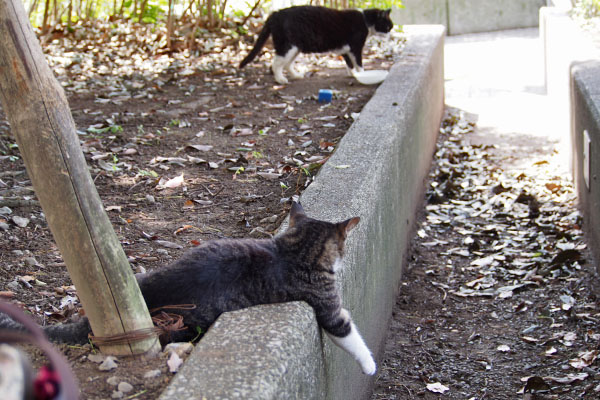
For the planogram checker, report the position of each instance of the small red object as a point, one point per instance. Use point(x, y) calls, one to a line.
point(46, 385)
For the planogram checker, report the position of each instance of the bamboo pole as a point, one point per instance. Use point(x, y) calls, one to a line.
point(42, 124)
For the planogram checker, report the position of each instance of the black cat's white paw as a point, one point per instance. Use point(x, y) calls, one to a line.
point(295, 74)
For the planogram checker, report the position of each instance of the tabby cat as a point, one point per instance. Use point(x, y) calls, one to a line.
point(312, 29)
point(230, 274)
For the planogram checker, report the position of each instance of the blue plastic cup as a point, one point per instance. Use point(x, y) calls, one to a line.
point(325, 95)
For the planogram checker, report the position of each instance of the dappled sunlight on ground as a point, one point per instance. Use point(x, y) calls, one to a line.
point(498, 77)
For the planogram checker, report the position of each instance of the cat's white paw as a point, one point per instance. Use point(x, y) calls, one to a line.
point(368, 366)
point(295, 74)
point(282, 80)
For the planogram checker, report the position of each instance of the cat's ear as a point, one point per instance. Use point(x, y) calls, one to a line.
point(348, 224)
point(388, 11)
point(296, 212)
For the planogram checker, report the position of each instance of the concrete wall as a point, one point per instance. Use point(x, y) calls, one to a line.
point(278, 351)
point(470, 16)
point(585, 112)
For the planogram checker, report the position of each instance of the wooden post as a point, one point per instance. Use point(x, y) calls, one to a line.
point(42, 124)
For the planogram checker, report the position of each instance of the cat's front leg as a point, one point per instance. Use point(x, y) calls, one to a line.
point(354, 344)
point(353, 66)
point(349, 64)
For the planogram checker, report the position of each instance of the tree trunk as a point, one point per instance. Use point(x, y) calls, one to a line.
point(209, 11)
point(55, 12)
point(191, 45)
point(70, 15)
point(45, 19)
point(33, 7)
point(142, 10)
point(170, 25)
point(222, 13)
point(42, 124)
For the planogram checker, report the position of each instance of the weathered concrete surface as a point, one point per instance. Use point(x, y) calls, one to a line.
point(467, 16)
point(471, 16)
point(585, 116)
point(424, 12)
point(377, 173)
point(263, 352)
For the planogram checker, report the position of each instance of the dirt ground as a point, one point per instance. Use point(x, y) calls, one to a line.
point(500, 296)
point(182, 148)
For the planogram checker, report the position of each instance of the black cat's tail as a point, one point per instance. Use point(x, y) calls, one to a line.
point(260, 42)
point(71, 332)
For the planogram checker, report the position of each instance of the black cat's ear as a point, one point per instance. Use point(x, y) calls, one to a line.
point(388, 11)
point(348, 224)
point(296, 212)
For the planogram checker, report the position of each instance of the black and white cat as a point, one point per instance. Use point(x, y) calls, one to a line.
point(225, 275)
point(312, 29)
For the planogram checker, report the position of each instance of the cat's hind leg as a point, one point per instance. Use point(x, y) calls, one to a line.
point(282, 61)
point(277, 68)
point(291, 56)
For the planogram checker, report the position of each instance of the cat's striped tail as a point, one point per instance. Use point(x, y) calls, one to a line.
point(71, 332)
point(260, 42)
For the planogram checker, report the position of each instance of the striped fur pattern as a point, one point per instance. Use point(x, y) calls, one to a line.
point(226, 275)
point(313, 29)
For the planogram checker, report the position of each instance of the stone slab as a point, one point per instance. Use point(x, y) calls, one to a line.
point(424, 12)
point(472, 16)
point(585, 117)
point(468, 16)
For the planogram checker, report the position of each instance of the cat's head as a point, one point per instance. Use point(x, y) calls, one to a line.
point(331, 235)
point(379, 20)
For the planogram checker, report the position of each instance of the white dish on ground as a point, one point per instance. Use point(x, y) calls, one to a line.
point(370, 77)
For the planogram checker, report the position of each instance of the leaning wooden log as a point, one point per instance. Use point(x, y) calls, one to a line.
point(43, 126)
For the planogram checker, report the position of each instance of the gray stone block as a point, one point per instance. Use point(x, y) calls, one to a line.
point(424, 12)
point(585, 117)
point(263, 352)
point(468, 16)
point(471, 16)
